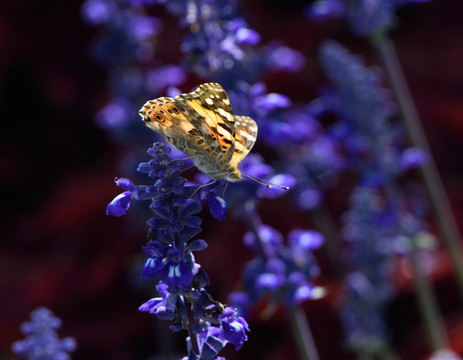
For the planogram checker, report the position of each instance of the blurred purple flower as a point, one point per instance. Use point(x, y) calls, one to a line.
point(365, 17)
point(412, 158)
point(164, 77)
point(115, 114)
point(284, 58)
point(96, 12)
point(41, 340)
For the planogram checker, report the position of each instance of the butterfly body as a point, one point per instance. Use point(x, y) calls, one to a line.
point(202, 125)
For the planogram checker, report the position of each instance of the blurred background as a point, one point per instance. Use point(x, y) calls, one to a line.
point(59, 249)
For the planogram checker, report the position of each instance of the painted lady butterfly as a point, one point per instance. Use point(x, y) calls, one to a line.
point(202, 125)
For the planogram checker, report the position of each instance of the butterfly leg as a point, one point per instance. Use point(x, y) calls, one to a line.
point(201, 186)
point(184, 159)
point(224, 186)
point(188, 168)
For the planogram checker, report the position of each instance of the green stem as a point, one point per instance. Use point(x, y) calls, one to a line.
point(301, 333)
point(439, 200)
point(427, 303)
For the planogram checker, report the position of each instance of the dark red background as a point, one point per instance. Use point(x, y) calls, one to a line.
point(59, 249)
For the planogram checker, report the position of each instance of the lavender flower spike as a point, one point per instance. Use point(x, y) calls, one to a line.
point(42, 342)
point(179, 280)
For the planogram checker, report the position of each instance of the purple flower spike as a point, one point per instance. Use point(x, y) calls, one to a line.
point(41, 340)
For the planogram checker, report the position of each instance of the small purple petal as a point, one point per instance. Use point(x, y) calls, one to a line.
point(246, 36)
point(197, 245)
point(412, 158)
point(217, 206)
point(177, 275)
point(273, 101)
point(269, 281)
point(152, 268)
point(119, 205)
point(302, 293)
point(305, 240)
point(275, 182)
point(234, 331)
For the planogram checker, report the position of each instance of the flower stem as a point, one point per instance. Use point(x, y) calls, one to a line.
point(439, 200)
point(191, 333)
point(427, 303)
point(302, 334)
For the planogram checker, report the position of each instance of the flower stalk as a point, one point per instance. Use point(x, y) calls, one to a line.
point(302, 333)
point(427, 302)
point(438, 197)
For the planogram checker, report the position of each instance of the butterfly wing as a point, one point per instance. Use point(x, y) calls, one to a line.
point(216, 121)
point(198, 123)
point(174, 120)
point(245, 138)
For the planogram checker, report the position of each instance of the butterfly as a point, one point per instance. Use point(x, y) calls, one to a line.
point(201, 124)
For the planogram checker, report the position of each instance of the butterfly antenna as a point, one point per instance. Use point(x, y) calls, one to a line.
point(266, 183)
